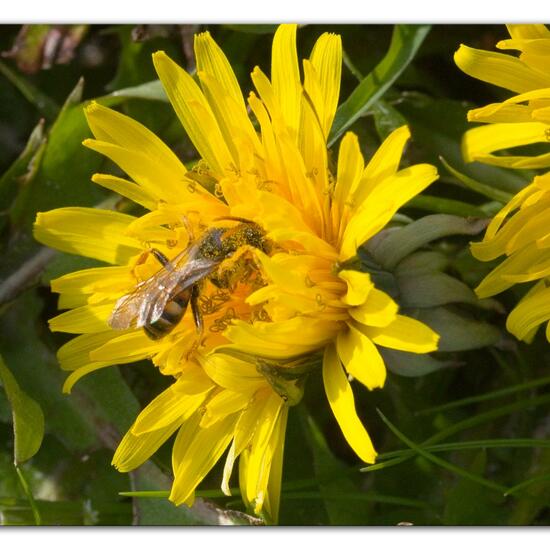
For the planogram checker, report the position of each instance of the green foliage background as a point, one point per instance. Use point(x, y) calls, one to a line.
point(462, 437)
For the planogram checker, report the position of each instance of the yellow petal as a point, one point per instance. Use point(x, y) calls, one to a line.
point(169, 406)
point(119, 130)
point(499, 218)
point(310, 242)
point(271, 503)
point(83, 320)
point(95, 279)
point(525, 226)
point(359, 286)
point(70, 301)
point(279, 340)
point(300, 168)
point(479, 143)
point(232, 373)
point(326, 58)
point(350, 169)
point(530, 47)
point(211, 60)
point(128, 347)
point(134, 450)
point(155, 179)
point(127, 189)
point(184, 438)
point(195, 114)
point(379, 310)
point(499, 69)
point(501, 112)
point(285, 271)
point(361, 358)
point(262, 447)
point(404, 334)
point(202, 452)
point(285, 76)
point(269, 100)
point(249, 418)
point(519, 266)
point(383, 164)
point(342, 403)
point(519, 31)
point(76, 352)
point(382, 203)
point(529, 314)
point(228, 469)
point(223, 403)
point(237, 130)
point(90, 232)
point(77, 374)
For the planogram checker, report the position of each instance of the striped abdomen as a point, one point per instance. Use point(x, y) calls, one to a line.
point(171, 315)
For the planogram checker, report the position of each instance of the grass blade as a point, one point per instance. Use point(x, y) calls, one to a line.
point(28, 493)
point(474, 185)
point(486, 396)
point(474, 445)
point(445, 206)
point(460, 426)
point(440, 462)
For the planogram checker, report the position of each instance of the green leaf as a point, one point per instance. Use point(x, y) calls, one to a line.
point(445, 206)
point(60, 176)
point(386, 119)
point(22, 168)
point(458, 332)
point(399, 243)
point(28, 418)
point(406, 40)
point(486, 190)
point(24, 350)
point(153, 91)
point(63, 177)
point(433, 289)
point(425, 261)
point(412, 365)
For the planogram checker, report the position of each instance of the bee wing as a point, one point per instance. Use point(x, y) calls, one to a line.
point(147, 302)
point(191, 273)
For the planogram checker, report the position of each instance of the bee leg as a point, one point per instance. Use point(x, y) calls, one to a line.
point(160, 257)
point(196, 309)
point(188, 228)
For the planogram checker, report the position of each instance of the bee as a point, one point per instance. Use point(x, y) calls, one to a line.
point(158, 303)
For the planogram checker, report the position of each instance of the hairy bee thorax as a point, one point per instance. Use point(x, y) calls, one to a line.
point(220, 243)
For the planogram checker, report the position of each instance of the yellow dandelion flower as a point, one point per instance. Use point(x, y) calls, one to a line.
point(282, 293)
point(520, 230)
